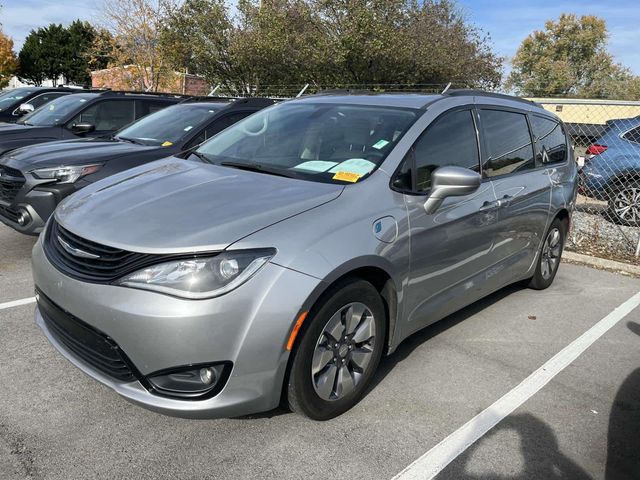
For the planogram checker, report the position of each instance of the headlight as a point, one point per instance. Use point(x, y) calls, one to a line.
point(66, 174)
point(199, 278)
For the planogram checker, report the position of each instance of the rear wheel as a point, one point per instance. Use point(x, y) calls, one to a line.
point(550, 255)
point(624, 203)
point(339, 352)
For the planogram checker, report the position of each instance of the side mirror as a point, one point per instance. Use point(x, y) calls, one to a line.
point(450, 182)
point(25, 108)
point(83, 128)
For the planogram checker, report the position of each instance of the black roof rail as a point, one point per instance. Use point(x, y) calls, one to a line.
point(482, 93)
point(109, 92)
point(254, 101)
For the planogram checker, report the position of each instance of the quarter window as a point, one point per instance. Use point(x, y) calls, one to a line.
point(508, 142)
point(551, 143)
point(449, 141)
point(632, 135)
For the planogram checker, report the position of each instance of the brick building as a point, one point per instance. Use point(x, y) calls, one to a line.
point(125, 78)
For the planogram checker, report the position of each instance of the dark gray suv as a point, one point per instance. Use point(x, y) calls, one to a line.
point(295, 248)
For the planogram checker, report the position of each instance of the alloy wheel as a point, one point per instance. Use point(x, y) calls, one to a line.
point(626, 204)
point(550, 253)
point(343, 352)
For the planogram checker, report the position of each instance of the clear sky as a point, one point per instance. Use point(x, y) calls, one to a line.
point(508, 22)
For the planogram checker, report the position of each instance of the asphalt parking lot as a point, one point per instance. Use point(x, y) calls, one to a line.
point(57, 423)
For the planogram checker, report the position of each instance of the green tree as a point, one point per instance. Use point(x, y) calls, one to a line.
point(77, 59)
point(8, 60)
point(570, 57)
point(276, 45)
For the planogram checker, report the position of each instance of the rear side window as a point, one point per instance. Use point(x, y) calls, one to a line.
point(449, 141)
point(551, 143)
point(508, 143)
point(632, 135)
point(147, 107)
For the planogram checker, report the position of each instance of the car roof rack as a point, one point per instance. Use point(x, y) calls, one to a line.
point(109, 92)
point(461, 92)
point(207, 98)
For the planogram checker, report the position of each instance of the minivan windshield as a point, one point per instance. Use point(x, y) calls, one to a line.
point(11, 98)
point(169, 125)
point(56, 111)
point(324, 142)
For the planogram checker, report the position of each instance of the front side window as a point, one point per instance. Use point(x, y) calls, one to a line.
point(508, 143)
point(324, 142)
point(169, 125)
point(551, 142)
point(107, 115)
point(449, 141)
point(57, 111)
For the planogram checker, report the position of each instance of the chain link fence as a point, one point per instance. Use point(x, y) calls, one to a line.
point(606, 136)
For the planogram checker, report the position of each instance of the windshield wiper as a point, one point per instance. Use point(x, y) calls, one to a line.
point(130, 140)
point(200, 155)
point(253, 167)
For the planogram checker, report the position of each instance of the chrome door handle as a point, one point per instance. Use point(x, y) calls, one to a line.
point(504, 201)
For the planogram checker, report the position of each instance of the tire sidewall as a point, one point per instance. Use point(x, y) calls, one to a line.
point(539, 282)
point(300, 384)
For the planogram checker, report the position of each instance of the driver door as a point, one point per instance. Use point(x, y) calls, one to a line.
point(452, 249)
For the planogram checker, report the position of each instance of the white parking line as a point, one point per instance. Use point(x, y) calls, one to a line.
point(435, 460)
point(17, 303)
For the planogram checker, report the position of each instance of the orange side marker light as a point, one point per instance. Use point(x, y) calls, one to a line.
point(296, 329)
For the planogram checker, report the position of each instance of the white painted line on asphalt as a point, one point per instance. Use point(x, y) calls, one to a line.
point(435, 460)
point(17, 303)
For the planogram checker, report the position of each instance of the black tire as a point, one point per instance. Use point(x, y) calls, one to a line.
point(301, 393)
point(543, 279)
point(624, 189)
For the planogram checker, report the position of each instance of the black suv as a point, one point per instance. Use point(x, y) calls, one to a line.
point(35, 97)
point(33, 180)
point(79, 115)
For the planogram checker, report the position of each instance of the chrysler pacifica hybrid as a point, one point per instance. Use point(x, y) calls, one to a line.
point(287, 254)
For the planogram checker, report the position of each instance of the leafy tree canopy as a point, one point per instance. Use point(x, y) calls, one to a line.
point(570, 57)
point(8, 60)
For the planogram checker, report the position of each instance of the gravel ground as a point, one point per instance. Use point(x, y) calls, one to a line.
point(592, 234)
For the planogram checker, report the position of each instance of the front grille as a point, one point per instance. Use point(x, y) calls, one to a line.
point(9, 213)
point(90, 345)
point(11, 181)
point(110, 264)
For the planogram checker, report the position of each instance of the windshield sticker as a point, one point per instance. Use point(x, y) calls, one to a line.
point(380, 144)
point(347, 176)
point(167, 144)
point(316, 166)
point(359, 166)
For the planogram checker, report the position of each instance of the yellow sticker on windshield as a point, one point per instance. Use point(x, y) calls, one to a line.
point(167, 144)
point(347, 176)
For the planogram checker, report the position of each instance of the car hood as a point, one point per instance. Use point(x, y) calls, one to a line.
point(176, 206)
point(72, 152)
point(14, 135)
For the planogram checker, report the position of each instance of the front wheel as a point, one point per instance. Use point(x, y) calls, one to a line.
point(550, 255)
point(339, 352)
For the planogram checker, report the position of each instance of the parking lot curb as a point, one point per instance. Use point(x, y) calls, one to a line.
point(602, 263)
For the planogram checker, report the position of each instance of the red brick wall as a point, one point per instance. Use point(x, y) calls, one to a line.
point(118, 78)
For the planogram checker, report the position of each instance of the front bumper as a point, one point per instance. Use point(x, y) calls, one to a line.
point(39, 203)
point(247, 327)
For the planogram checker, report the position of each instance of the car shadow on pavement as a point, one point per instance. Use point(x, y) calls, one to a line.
point(541, 457)
point(404, 350)
point(623, 442)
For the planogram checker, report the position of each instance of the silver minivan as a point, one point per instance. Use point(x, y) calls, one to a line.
point(280, 260)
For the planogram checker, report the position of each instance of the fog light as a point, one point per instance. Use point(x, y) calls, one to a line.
point(23, 217)
point(187, 382)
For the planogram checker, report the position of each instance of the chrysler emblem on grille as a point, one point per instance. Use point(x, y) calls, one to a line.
point(76, 252)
